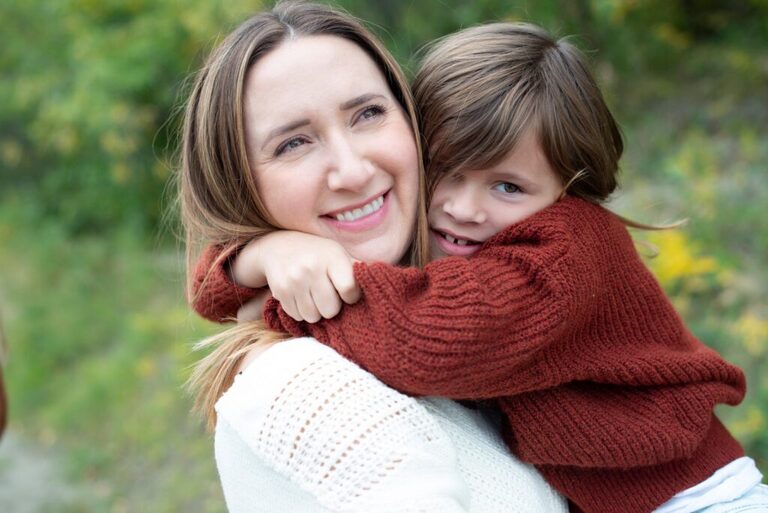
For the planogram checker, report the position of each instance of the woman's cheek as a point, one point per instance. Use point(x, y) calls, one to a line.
point(290, 195)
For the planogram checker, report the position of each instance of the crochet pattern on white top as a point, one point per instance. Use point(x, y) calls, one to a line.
point(341, 435)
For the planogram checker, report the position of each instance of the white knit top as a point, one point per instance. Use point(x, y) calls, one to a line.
point(304, 430)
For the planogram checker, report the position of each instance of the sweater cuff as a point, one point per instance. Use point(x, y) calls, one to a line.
point(217, 296)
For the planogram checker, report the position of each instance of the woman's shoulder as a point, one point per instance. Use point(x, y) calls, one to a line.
point(308, 413)
point(274, 369)
point(301, 407)
point(301, 377)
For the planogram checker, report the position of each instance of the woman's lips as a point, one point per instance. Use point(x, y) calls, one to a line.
point(379, 207)
point(453, 248)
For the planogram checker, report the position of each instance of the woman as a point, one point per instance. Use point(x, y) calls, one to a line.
point(298, 117)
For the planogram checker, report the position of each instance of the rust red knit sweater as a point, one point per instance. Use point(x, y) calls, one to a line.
point(559, 321)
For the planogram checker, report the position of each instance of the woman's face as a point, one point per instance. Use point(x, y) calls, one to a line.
point(331, 148)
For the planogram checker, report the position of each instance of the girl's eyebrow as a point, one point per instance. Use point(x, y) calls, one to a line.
point(509, 175)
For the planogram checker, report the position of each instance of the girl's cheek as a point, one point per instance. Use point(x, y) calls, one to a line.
point(437, 200)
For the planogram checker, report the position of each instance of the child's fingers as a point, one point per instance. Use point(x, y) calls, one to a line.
point(343, 279)
point(326, 298)
point(253, 309)
point(305, 304)
point(290, 308)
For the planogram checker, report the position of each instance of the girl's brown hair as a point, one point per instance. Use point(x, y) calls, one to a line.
point(220, 202)
point(479, 90)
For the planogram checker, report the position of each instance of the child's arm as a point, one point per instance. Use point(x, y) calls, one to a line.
point(309, 275)
point(462, 328)
point(213, 293)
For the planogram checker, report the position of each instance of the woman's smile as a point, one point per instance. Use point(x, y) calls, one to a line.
point(361, 217)
point(332, 151)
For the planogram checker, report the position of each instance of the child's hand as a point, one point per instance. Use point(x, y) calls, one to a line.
point(253, 310)
point(309, 275)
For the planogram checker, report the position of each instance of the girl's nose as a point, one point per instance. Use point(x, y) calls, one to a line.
point(464, 206)
point(349, 168)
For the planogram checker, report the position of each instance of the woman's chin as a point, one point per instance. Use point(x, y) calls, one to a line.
point(387, 249)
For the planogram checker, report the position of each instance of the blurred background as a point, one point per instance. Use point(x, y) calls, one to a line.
point(91, 273)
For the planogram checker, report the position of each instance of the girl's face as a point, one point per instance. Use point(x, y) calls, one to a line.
point(474, 205)
point(331, 148)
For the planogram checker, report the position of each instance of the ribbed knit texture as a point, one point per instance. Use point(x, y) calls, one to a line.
point(214, 295)
point(558, 319)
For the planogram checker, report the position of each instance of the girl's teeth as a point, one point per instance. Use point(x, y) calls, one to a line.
point(454, 240)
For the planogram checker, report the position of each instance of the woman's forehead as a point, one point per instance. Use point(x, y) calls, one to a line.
point(309, 62)
point(311, 75)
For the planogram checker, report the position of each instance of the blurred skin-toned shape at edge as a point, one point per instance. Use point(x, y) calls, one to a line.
point(3, 397)
point(3, 405)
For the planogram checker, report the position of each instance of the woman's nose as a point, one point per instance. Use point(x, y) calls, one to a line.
point(349, 167)
point(464, 206)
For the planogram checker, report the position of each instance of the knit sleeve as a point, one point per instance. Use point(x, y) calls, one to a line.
point(340, 434)
point(213, 294)
point(462, 328)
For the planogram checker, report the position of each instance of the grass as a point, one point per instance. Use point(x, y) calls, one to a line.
point(99, 341)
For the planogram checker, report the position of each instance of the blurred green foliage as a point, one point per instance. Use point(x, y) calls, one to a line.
point(91, 279)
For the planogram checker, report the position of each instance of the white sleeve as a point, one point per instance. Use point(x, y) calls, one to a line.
point(341, 435)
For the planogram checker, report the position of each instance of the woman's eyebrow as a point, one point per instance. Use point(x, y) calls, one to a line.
point(359, 100)
point(284, 129)
point(293, 125)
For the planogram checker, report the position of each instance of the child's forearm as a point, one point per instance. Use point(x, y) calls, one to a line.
point(247, 270)
point(465, 329)
point(214, 295)
point(310, 284)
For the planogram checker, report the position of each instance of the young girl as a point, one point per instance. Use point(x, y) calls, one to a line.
point(554, 318)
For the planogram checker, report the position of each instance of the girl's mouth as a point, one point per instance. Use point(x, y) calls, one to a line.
point(456, 246)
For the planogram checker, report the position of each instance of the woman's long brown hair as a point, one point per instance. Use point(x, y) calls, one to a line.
point(219, 200)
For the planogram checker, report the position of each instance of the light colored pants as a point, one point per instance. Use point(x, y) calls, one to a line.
point(754, 501)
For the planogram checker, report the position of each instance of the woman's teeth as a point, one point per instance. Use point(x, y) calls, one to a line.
point(354, 215)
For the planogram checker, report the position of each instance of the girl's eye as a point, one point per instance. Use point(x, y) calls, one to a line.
point(290, 145)
point(371, 112)
point(507, 188)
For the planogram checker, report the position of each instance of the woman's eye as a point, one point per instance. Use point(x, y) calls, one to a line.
point(371, 112)
point(290, 145)
point(507, 188)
